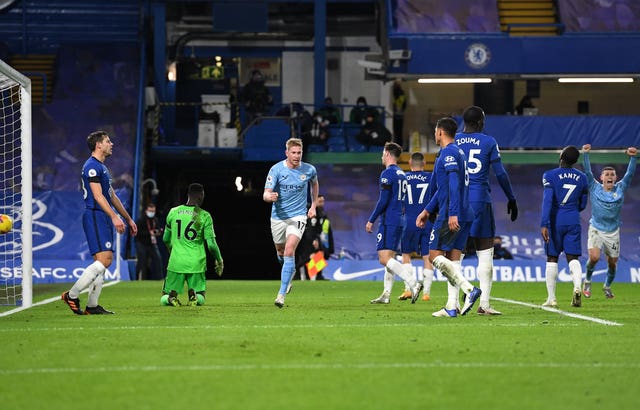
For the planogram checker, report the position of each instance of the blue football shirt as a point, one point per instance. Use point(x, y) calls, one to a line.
point(451, 197)
point(292, 186)
point(482, 153)
point(95, 171)
point(393, 183)
point(417, 196)
point(606, 206)
point(564, 196)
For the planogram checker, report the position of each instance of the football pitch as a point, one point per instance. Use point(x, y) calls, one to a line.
point(328, 348)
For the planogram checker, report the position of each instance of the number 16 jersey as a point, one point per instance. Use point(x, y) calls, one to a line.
point(188, 229)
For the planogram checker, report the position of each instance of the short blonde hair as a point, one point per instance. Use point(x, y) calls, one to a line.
point(294, 142)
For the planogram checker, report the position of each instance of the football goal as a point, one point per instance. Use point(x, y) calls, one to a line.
point(16, 260)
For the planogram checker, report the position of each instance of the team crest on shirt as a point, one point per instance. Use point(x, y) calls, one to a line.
point(303, 177)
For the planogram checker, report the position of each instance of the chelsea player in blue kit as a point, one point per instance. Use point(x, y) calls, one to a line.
point(604, 226)
point(482, 154)
point(564, 197)
point(98, 222)
point(454, 215)
point(416, 239)
point(390, 209)
point(287, 188)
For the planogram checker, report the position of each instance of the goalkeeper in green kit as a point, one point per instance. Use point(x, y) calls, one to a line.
point(188, 229)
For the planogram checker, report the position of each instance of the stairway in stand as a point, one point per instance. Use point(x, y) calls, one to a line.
point(41, 69)
point(528, 17)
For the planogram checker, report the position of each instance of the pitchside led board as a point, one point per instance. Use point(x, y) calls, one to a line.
point(60, 252)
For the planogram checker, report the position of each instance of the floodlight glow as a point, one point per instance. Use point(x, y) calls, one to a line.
point(453, 80)
point(595, 80)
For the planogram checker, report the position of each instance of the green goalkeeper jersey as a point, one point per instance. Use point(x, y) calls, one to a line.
point(188, 229)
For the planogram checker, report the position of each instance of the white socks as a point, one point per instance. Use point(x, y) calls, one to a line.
point(88, 276)
point(399, 269)
point(94, 291)
point(452, 273)
point(551, 273)
point(387, 281)
point(576, 274)
point(427, 280)
point(485, 275)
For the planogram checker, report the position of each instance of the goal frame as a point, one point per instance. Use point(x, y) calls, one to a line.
point(26, 179)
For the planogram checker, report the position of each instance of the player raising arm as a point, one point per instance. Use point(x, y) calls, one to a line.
point(604, 226)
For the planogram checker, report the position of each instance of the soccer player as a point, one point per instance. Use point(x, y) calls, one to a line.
point(454, 215)
point(98, 222)
point(483, 154)
point(287, 187)
point(416, 239)
point(390, 209)
point(564, 197)
point(189, 228)
point(604, 225)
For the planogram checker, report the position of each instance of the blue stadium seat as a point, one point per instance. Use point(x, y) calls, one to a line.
point(336, 141)
point(354, 146)
point(375, 148)
point(316, 148)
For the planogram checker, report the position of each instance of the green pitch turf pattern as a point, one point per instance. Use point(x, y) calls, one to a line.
point(328, 348)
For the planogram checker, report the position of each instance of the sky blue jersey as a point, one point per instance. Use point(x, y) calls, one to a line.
point(393, 185)
point(451, 185)
point(292, 186)
point(95, 171)
point(417, 195)
point(482, 153)
point(606, 206)
point(564, 197)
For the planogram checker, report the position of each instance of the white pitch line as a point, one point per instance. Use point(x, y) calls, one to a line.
point(561, 312)
point(47, 301)
point(318, 366)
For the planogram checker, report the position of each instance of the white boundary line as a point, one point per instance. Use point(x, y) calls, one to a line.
point(47, 301)
point(513, 302)
point(561, 312)
point(329, 366)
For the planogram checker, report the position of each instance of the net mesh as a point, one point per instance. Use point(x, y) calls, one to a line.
point(10, 190)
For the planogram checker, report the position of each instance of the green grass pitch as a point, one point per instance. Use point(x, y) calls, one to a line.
point(327, 349)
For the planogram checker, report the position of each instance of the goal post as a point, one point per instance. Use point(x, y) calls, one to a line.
point(16, 247)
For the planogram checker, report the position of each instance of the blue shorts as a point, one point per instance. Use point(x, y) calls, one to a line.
point(564, 238)
point(389, 237)
point(442, 239)
point(484, 224)
point(98, 229)
point(416, 240)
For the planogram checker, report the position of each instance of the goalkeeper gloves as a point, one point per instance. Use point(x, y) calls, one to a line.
point(219, 267)
point(512, 209)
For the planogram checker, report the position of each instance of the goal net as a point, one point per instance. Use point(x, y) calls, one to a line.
point(15, 187)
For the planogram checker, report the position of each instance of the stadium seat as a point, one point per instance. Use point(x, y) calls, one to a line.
point(353, 145)
point(316, 148)
point(336, 142)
